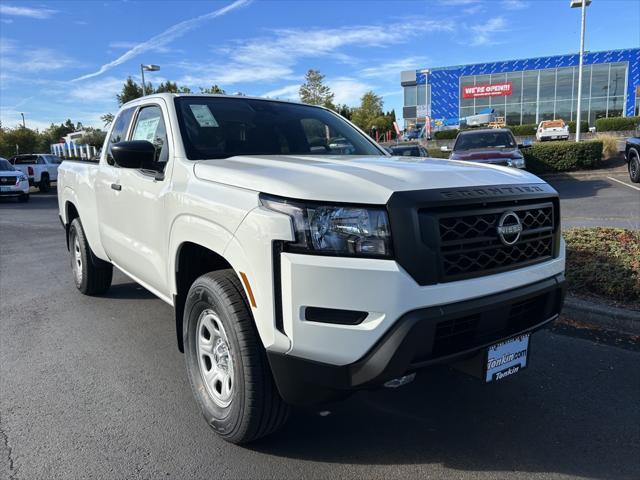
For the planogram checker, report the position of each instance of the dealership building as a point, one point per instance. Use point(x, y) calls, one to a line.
point(526, 91)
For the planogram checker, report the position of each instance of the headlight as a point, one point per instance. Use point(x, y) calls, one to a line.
point(516, 162)
point(335, 229)
point(22, 178)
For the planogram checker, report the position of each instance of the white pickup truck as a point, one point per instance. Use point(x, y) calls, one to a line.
point(299, 275)
point(552, 130)
point(40, 168)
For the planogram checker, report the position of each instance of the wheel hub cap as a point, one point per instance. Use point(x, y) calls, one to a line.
point(215, 359)
point(77, 259)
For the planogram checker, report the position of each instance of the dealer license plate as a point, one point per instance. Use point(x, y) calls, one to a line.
point(5, 189)
point(507, 358)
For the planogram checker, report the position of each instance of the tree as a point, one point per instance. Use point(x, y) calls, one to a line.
point(94, 137)
point(214, 89)
point(369, 114)
point(170, 87)
point(345, 110)
point(19, 140)
point(107, 118)
point(130, 91)
point(314, 92)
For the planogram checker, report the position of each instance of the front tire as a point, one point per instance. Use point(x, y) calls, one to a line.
point(89, 278)
point(226, 363)
point(634, 166)
point(45, 184)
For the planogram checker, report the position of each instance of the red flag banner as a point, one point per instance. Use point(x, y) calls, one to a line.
point(487, 90)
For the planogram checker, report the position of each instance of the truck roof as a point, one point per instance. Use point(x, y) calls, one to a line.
point(169, 96)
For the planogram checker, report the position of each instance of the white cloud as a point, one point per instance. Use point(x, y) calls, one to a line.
point(456, 3)
point(39, 13)
point(288, 92)
point(129, 45)
point(486, 33)
point(515, 4)
point(394, 67)
point(30, 60)
point(348, 90)
point(165, 37)
point(274, 57)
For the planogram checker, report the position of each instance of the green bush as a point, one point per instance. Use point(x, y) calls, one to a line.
point(524, 130)
point(437, 153)
point(617, 124)
point(584, 126)
point(604, 262)
point(562, 156)
point(446, 134)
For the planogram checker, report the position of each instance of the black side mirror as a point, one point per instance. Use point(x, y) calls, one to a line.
point(133, 154)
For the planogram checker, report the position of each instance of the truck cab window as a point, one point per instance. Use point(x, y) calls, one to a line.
point(150, 126)
point(119, 131)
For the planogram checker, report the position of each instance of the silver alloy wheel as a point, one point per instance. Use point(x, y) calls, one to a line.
point(215, 358)
point(77, 259)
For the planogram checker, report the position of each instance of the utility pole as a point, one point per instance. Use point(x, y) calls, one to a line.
point(583, 6)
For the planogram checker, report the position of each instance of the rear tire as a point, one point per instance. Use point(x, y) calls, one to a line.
point(45, 184)
point(23, 198)
point(226, 362)
point(89, 278)
point(634, 166)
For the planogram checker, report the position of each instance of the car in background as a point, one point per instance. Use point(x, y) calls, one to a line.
point(552, 130)
point(496, 146)
point(407, 151)
point(13, 183)
point(40, 168)
point(632, 156)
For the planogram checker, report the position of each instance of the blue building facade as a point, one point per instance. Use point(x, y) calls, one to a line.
point(528, 90)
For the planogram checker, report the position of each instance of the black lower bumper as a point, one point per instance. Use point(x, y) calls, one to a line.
point(421, 338)
point(12, 193)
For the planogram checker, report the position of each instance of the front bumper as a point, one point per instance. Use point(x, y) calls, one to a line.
point(15, 190)
point(420, 338)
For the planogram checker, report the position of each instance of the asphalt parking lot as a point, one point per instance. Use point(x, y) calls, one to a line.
point(95, 387)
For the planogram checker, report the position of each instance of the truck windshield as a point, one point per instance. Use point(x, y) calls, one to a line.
point(5, 166)
point(219, 127)
point(468, 141)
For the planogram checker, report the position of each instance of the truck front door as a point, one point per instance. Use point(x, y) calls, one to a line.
point(138, 224)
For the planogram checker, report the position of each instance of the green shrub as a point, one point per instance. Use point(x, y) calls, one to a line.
point(446, 134)
point(523, 130)
point(617, 124)
point(437, 153)
point(604, 262)
point(562, 156)
point(584, 126)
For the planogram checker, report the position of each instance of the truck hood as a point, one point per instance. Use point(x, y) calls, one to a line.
point(349, 178)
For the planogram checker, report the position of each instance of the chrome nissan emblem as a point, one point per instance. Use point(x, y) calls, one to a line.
point(509, 228)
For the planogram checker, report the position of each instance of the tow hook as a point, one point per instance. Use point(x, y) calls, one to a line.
point(400, 381)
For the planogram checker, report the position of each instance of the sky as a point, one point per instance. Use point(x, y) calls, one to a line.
point(68, 59)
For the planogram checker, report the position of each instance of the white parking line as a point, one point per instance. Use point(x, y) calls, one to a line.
point(624, 183)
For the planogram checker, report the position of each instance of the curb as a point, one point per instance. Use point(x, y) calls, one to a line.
point(604, 316)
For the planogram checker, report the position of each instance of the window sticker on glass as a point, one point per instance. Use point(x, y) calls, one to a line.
point(204, 116)
point(146, 129)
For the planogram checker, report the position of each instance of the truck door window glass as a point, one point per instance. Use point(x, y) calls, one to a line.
point(119, 131)
point(150, 126)
point(218, 127)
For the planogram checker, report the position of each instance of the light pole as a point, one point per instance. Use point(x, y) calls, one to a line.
point(23, 124)
point(583, 4)
point(149, 68)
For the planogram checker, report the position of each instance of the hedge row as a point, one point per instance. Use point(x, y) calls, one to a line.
point(524, 130)
point(437, 153)
point(613, 124)
point(562, 156)
point(446, 134)
point(584, 126)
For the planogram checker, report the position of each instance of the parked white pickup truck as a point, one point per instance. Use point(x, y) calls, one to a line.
point(552, 130)
point(299, 275)
point(40, 168)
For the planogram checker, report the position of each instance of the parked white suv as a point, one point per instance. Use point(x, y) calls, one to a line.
point(299, 275)
point(13, 183)
point(40, 168)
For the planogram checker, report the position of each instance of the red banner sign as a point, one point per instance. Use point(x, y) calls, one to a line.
point(487, 90)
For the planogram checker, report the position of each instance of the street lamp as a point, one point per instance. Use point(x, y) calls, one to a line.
point(582, 4)
point(148, 68)
point(23, 124)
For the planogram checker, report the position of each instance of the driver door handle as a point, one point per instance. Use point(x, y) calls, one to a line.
point(115, 186)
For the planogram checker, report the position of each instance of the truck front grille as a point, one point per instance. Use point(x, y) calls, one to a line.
point(470, 244)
